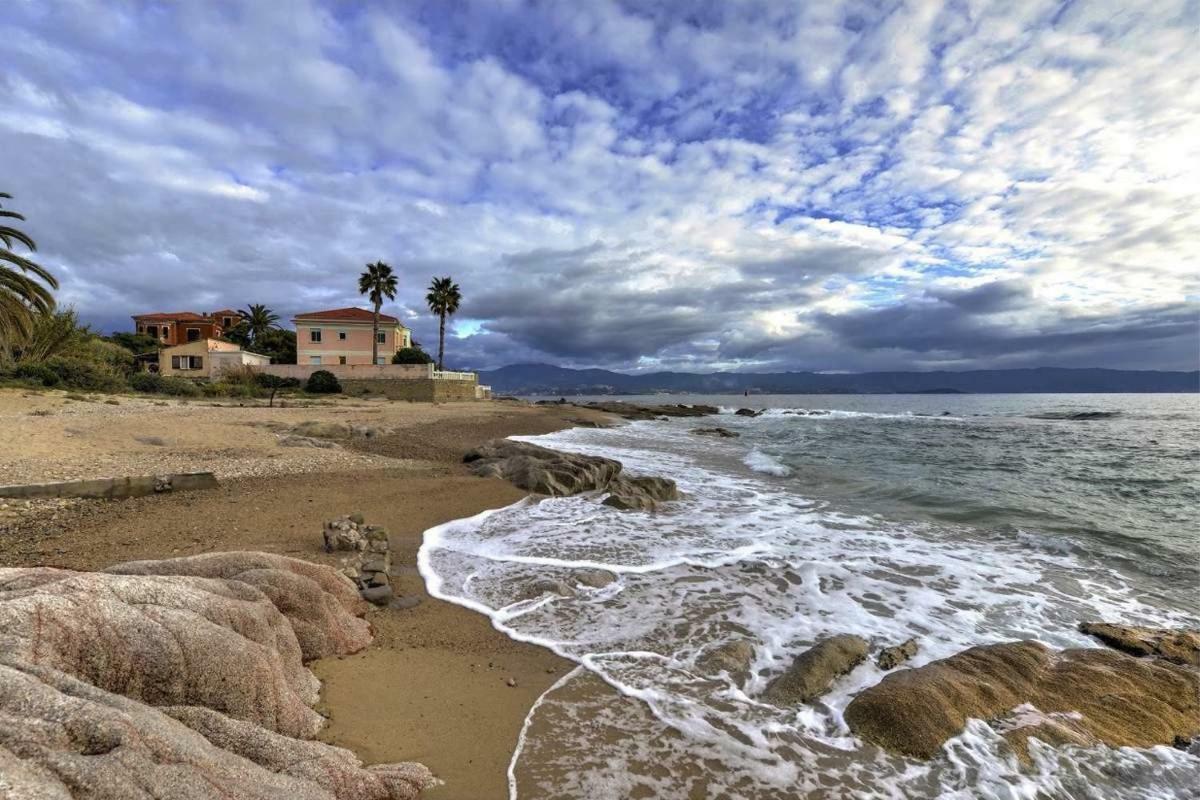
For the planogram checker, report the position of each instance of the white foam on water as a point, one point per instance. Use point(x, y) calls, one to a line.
point(762, 462)
point(743, 558)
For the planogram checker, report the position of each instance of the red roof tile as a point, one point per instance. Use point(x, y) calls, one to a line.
point(347, 315)
point(174, 316)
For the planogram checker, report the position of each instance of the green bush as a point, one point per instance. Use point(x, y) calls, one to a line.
point(275, 382)
point(38, 372)
point(72, 373)
point(153, 383)
point(323, 382)
point(411, 355)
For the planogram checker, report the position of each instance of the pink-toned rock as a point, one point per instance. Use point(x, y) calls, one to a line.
point(321, 604)
point(185, 675)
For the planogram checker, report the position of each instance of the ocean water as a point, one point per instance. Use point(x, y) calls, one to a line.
point(958, 519)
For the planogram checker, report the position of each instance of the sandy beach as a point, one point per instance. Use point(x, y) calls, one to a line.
point(434, 685)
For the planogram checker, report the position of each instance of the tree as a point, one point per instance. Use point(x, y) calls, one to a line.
point(411, 355)
point(136, 343)
point(278, 344)
point(377, 282)
point(258, 319)
point(443, 300)
point(21, 297)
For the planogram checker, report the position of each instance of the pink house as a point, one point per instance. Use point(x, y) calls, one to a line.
point(343, 336)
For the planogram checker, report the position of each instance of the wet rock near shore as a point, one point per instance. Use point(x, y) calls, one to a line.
point(631, 411)
point(179, 674)
point(544, 471)
point(1028, 690)
point(722, 433)
point(641, 494)
point(892, 657)
point(734, 658)
point(747, 412)
point(814, 671)
point(1179, 646)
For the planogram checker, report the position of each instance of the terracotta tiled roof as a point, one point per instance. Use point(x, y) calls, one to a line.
point(346, 315)
point(174, 316)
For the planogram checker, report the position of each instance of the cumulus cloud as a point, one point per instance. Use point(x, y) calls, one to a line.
point(743, 185)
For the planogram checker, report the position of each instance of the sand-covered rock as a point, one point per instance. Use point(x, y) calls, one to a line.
point(813, 672)
point(186, 675)
point(1083, 695)
point(1180, 646)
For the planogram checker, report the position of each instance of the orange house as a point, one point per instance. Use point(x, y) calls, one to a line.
point(343, 336)
point(181, 327)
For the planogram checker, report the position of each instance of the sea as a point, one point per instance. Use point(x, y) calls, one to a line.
point(956, 519)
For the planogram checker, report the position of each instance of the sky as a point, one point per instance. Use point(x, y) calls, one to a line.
point(693, 186)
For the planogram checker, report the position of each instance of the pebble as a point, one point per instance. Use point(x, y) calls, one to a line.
point(511, 682)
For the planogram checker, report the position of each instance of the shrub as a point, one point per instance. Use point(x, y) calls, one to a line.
point(153, 383)
point(74, 373)
point(275, 382)
point(323, 382)
point(36, 371)
point(411, 355)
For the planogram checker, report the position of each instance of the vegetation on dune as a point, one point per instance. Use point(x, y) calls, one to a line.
point(25, 286)
point(377, 282)
point(443, 299)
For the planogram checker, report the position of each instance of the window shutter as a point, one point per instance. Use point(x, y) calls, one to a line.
point(174, 362)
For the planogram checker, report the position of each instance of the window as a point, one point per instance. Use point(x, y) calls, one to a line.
point(314, 360)
point(314, 335)
point(165, 332)
point(341, 336)
point(381, 337)
point(193, 334)
point(341, 359)
point(182, 363)
point(150, 330)
point(226, 322)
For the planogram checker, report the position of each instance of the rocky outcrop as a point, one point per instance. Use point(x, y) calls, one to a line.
point(185, 675)
point(892, 657)
point(814, 671)
point(594, 578)
point(1179, 646)
point(545, 471)
point(293, 440)
point(747, 412)
point(721, 433)
point(641, 494)
point(319, 429)
point(1080, 696)
point(540, 469)
point(635, 412)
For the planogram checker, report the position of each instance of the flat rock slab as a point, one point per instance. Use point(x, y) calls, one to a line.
point(1181, 647)
point(115, 488)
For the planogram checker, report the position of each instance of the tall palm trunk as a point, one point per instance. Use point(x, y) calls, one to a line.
point(375, 336)
point(442, 343)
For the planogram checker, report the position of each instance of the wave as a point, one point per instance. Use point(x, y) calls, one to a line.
point(759, 461)
point(1077, 415)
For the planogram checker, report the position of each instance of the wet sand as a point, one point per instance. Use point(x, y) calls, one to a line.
point(433, 686)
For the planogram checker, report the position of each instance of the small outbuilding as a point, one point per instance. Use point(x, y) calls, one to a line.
point(206, 358)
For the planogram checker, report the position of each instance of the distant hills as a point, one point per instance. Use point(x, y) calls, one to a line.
point(544, 379)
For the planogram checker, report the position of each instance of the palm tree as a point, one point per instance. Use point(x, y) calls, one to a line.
point(21, 296)
point(377, 282)
point(443, 300)
point(258, 319)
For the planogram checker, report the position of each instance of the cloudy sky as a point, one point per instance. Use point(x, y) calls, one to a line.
point(633, 185)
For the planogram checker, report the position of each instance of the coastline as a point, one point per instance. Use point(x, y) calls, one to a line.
point(433, 686)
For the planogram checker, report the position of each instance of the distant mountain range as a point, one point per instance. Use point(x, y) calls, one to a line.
point(544, 379)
